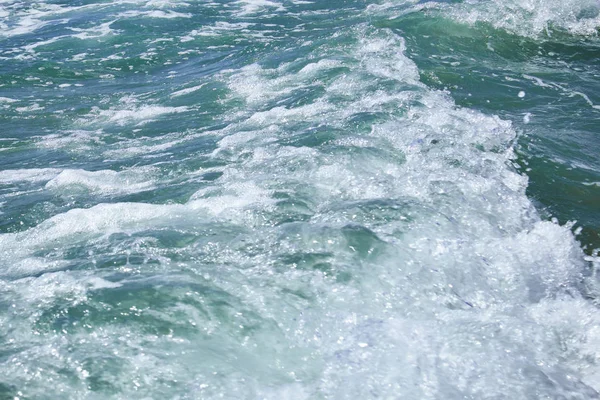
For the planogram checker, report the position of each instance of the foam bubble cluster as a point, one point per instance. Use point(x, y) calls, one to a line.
point(532, 17)
point(324, 225)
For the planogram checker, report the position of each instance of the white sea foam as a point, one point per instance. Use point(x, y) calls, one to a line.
point(254, 6)
point(434, 275)
point(141, 114)
point(189, 90)
point(132, 148)
point(83, 141)
point(76, 140)
point(160, 4)
point(257, 85)
point(220, 28)
point(94, 32)
point(25, 25)
point(102, 219)
point(104, 182)
point(233, 198)
point(31, 47)
point(480, 249)
point(531, 17)
point(105, 219)
point(30, 108)
point(154, 14)
point(129, 112)
point(29, 17)
point(9, 176)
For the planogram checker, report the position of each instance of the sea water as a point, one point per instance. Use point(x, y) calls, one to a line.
point(290, 199)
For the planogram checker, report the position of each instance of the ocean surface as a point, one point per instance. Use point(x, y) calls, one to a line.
point(299, 199)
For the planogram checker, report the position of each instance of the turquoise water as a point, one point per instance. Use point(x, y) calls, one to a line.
point(272, 199)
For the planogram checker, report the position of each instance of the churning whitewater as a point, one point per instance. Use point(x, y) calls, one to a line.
point(265, 199)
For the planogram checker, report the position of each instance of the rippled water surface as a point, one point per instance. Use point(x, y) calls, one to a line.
point(289, 199)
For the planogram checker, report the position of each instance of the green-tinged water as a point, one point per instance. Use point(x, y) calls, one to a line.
point(265, 199)
point(558, 117)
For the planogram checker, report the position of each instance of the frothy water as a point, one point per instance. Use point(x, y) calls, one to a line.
point(264, 199)
point(535, 17)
